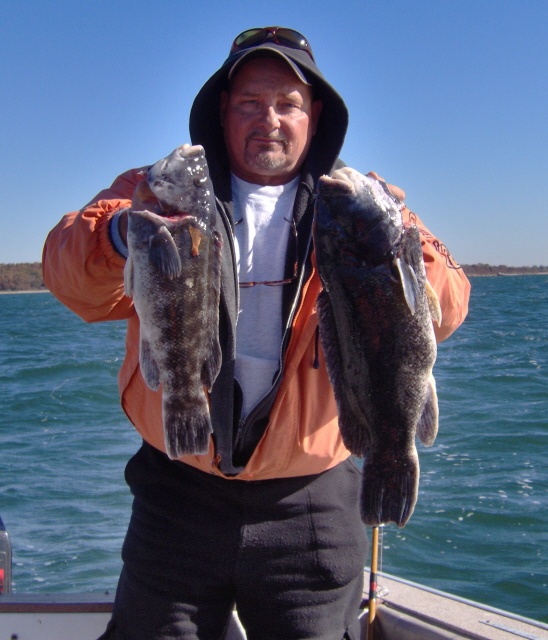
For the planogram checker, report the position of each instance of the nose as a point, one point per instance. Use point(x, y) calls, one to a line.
point(271, 117)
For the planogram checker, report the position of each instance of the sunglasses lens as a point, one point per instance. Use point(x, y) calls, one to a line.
point(249, 38)
point(292, 39)
point(279, 35)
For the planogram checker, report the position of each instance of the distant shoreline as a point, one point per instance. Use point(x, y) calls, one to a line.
point(7, 293)
point(506, 275)
point(26, 277)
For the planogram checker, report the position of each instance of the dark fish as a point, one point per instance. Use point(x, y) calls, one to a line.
point(173, 274)
point(375, 316)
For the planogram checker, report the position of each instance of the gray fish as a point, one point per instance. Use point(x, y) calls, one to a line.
point(375, 319)
point(173, 275)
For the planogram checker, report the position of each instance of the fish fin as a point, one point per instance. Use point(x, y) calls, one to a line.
point(355, 434)
point(433, 304)
point(149, 368)
point(187, 426)
point(427, 427)
point(389, 494)
point(163, 253)
point(195, 239)
point(409, 282)
point(211, 366)
point(128, 277)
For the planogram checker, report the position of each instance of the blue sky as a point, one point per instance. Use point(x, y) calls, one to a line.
point(447, 98)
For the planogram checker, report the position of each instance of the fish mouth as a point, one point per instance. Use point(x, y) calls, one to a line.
point(190, 151)
point(179, 215)
point(335, 185)
point(184, 152)
point(349, 182)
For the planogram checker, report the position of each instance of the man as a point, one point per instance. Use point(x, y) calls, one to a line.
point(268, 520)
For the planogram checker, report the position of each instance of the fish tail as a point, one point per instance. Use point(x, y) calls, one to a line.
point(389, 495)
point(187, 427)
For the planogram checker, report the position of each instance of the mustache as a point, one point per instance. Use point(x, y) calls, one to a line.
point(279, 137)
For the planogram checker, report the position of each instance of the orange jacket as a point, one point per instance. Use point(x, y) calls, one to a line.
point(83, 270)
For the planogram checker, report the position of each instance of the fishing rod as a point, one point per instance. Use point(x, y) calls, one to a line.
point(373, 587)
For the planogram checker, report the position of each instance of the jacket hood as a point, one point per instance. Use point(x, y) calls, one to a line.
point(205, 126)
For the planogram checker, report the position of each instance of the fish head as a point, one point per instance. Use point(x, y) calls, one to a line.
point(357, 218)
point(181, 183)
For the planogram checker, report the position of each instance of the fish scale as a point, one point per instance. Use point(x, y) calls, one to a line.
point(173, 274)
point(375, 321)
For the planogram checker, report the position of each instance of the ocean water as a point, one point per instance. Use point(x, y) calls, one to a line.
point(480, 528)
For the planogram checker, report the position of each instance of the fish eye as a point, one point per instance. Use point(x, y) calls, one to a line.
point(200, 182)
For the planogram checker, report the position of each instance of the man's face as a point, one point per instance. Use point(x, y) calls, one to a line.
point(269, 118)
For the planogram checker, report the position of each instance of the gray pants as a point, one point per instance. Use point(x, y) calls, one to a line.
point(289, 553)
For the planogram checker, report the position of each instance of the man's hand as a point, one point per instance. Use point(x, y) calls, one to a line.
point(143, 200)
point(398, 193)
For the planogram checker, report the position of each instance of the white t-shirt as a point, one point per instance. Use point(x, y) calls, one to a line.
point(263, 218)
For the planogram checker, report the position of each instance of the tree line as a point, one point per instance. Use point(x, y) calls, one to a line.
point(481, 269)
point(24, 276)
point(27, 276)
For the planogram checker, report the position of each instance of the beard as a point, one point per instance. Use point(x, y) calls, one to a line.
point(268, 158)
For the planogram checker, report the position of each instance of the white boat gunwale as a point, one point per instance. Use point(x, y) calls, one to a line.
point(407, 611)
point(425, 613)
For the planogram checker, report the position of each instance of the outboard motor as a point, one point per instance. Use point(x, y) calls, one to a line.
point(5, 560)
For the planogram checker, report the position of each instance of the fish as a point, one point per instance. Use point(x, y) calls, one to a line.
point(375, 315)
point(173, 274)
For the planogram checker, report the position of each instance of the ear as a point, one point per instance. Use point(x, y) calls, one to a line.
point(222, 106)
point(317, 107)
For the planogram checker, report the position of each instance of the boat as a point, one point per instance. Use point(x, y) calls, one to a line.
point(403, 610)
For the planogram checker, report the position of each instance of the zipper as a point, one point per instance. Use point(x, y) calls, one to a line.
point(230, 235)
point(257, 409)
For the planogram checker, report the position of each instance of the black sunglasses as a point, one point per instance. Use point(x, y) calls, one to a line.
point(278, 35)
point(277, 283)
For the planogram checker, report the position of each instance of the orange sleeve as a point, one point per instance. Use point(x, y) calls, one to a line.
point(446, 277)
point(80, 265)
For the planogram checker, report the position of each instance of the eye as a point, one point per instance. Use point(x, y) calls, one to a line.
point(249, 105)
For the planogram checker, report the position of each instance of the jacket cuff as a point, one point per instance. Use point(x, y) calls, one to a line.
point(114, 232)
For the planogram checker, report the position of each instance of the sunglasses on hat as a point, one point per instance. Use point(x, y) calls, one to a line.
point(278, 35)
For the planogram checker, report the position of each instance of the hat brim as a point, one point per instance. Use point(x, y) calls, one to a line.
point(266, 51)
